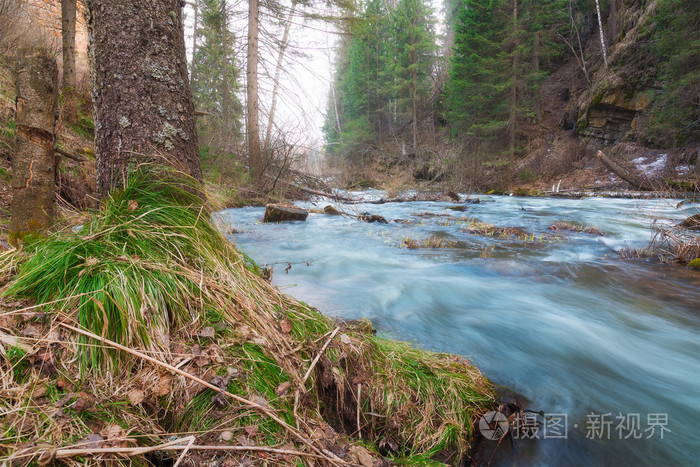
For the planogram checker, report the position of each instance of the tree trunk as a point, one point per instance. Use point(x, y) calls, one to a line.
point(414, 88)
point(633, 179)
point(278, 72)
point(141, 91)
point(225, 91)
point(70, 98)
point(613, 26)
point(193, 65)
point(33, 164)
point(512, 124)
point(253, 126)
point(536, 68)
point(602, 36)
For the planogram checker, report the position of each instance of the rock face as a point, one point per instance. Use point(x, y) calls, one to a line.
point(607, 115)
point(284, 213)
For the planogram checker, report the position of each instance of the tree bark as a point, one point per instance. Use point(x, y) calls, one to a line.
point(141, 92)
point(70, 99)
point(631, 178)
point(33, 164)
point(512, 122)
point(225, 91)
point(193, 65)
point(253, 124)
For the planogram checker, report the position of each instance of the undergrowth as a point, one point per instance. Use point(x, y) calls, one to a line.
point(151, 272)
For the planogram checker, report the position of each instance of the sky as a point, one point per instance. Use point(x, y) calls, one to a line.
point(305, 83)
point(306, 76)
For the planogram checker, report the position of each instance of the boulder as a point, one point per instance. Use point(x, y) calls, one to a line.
point(284, 213)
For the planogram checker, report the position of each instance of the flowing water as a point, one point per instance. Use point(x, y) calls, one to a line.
point(608, 347)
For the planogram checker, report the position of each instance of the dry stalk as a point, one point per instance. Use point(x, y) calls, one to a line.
point(240, 399)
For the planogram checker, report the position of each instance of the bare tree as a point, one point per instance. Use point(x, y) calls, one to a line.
point(278, 71)
point(600, 30)
point(141, 92)
point(33, 166)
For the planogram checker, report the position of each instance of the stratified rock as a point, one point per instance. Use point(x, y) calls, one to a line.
point(284, 213)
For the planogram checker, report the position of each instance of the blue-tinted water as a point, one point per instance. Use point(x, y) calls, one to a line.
point(565, 323)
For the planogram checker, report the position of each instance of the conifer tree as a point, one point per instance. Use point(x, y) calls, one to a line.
point(215, 89)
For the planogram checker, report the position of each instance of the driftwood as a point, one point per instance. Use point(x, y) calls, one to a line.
point(627, 175)
point(284, 213)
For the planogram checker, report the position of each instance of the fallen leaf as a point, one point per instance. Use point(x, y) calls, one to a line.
point(133, 205)
point(251, 430)
point(259, 400)
point(286, 326)
point(136, 396)
point(163, 386)
point(113, 431)
point(207, 332)
point(81, 404)
point(39, 391)
point(91, 441)
point(243, 441)
point(64, 384)
point(363, 456)
point(31, 330)
point(283, 388)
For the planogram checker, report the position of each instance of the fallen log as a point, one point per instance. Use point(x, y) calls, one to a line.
point(284, 213)
point(627, 175)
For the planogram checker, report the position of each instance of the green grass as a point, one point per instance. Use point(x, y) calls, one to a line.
point(150, 269)
point(127, 269)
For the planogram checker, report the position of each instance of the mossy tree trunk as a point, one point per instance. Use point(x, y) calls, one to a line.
point(69, 112)
point(33, 163)
point(141, 91)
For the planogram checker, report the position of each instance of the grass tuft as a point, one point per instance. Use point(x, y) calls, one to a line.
point(152, 272)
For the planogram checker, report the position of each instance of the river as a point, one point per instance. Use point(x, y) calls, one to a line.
point(608, 347)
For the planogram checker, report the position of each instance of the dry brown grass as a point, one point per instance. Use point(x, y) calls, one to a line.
point(568, 226)
point(312, 385)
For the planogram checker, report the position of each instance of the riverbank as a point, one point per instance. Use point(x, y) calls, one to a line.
point(566, 322)
point(146, 336)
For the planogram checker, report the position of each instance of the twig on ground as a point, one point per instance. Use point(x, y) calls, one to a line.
point(240, 399)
